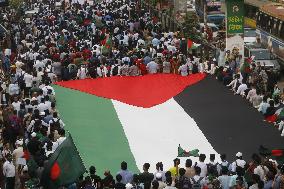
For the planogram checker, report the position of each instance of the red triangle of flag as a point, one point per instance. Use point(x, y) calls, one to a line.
point(189, 43)
point(142, 91)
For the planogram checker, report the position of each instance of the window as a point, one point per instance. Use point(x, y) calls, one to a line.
point(271, 24)
point(281, 30)
point(246, 52)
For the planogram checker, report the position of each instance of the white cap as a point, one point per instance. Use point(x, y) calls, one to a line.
point(25, 168)
point(33, 134)
point(239, 154)
point(19, 142)
point(42, 113)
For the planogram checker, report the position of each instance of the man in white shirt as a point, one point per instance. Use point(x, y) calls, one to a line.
point(61, 138)
point(263, 105)
point(16, 104)
point(14, 89)
point(42, 106)
point(202, 165)
point(238, 163)
point(82, 72)
point(152, 67)
point(183, 70)
point(39, 64)
point(18, 154)
point(9, 172)
point(241, 89)
point(260, 170)
point(46, 88)
point(28, 79)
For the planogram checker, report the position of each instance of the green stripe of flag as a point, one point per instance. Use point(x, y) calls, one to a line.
point(96, 130)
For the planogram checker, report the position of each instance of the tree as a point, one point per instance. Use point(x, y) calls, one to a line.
point(16, 4)
point(190, 23)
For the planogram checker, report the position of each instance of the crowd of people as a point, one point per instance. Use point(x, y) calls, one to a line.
point(257, 174)
point(256, 83)
point(110, 38)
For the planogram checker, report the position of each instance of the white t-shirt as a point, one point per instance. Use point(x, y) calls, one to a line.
point(16, 105)
point(183, 69)
point(28, 80)
point(9, 169)
point(39, 64)
point(42, 107)
point(238, 162)
point(152, 67)
point(203, 168)
point(242, 88)
point(261, 171)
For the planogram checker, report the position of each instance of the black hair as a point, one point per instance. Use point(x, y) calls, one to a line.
point(224, 170)
point(55, 115)
point(168, 174)
point(181, 171)
point(223, 157)
point(118, 178)
point(136, 178)
point(123, 165)
point(146, 165)
point(159, 166)
point(155, 184)
point(197, 170)
point(61, 132)
point(256, 159)
point(212, 157)
point(169, 181)
point(265, 98)
point(92, 170)
point(188, 163)
point(177, 161)
point(202, 157)
point(271, 103)
point(88, 180)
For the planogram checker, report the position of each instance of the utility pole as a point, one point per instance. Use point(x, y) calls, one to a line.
point(205, 13)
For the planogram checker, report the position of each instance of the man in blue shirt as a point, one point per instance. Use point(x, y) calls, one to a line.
point(127, 176)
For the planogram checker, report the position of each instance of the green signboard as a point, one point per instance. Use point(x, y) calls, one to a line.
point(235, 16)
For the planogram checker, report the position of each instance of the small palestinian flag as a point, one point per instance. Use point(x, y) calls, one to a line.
point(277, 154)
point(108, 43)
point(183, 153)
point(189, 43)
point(271, 119)
point(245, 67)
point(64, 166)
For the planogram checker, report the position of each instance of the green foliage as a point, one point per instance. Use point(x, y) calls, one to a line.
point(190, 23)
point(16, 4)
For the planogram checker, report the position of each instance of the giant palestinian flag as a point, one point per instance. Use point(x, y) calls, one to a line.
point(146, 118)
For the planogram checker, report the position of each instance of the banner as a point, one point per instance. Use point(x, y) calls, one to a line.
point(235, 16)
point(235, 29)
point(4, 3)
